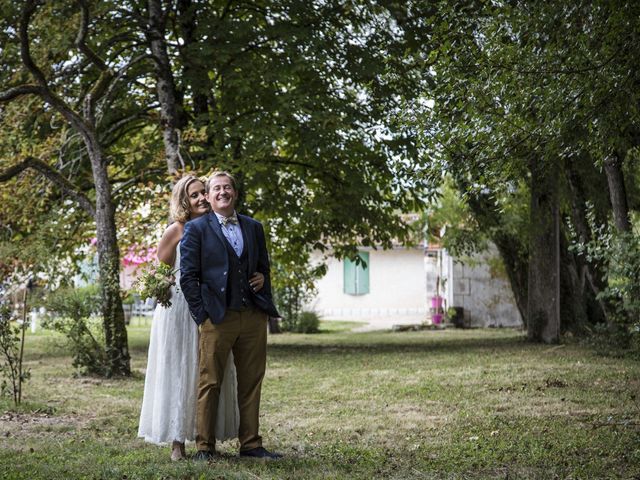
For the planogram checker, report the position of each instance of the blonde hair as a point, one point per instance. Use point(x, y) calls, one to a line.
point(179, 206)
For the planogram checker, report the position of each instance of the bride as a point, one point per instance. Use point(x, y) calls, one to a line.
point(169, 402)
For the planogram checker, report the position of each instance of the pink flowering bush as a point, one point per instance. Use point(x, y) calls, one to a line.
point(137, 255)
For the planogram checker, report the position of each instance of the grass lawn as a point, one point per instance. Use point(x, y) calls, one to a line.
point(426, 405)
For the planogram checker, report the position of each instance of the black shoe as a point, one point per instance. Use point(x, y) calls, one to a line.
point(204, 456)
point(260, 452)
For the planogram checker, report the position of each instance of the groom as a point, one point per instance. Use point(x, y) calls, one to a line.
point(219, 255)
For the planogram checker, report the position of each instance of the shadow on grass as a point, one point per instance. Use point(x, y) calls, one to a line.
point(379, 345)
point(338, 343)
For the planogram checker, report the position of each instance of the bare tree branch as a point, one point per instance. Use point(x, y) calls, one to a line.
point(54, 177)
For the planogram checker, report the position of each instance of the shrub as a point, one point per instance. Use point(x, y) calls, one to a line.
point(289, 323)
point(304, 322)
point(69, 312)
point(308, 322)
point(620, 253)
point(293, 286)
point(13, 375)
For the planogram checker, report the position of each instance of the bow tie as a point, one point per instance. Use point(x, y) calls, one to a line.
point(232, 219)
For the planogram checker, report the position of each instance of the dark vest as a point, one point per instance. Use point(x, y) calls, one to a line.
point(238, 290)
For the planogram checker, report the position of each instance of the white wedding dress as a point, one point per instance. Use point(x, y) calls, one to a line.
point(170, 389)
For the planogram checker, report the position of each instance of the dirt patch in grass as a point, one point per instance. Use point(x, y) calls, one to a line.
point(409, 417)
point(17, 427)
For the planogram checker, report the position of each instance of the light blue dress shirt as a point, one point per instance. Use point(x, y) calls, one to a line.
point(233, 233)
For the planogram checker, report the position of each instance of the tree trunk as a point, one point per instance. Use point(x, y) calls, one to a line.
point(108, 254)
point(589, 275)
point(165, 87)
point(115, 330)
point(544, 256)
point(617, 192)
point(579, 306)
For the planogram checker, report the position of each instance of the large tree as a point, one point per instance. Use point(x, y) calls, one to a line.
point(541, 96)
point(54, 58)
point(299, 99)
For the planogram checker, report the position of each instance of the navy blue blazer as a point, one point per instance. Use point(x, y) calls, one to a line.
point(204, 266)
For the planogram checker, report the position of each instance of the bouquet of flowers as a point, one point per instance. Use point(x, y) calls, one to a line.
point(156, 282)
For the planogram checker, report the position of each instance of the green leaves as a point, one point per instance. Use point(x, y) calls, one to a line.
point(12, 372)
point(155, 281)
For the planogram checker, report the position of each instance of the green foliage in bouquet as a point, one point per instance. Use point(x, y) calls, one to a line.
point(156, 282)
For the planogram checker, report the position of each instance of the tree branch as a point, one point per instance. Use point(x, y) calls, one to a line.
point(98, 90)
point(122, 184)
point(125, 121)
point(29, 9)
point(18, 91)
point(43, 91)
point(308, 166)
point(54, 177)
point(249, 48)
point(232, 121)
point(561, 71)
point(170, 107)
point(100, 87)
point(80, 41)
point(119, 76)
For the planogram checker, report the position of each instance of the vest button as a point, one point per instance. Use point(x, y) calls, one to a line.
point(222, 289)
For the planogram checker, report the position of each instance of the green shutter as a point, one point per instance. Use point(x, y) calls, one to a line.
point(356, 277)
point(349, 277)
point(362, 274)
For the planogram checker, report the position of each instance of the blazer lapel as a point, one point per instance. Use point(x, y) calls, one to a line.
point(249, 244)
point(215, 226)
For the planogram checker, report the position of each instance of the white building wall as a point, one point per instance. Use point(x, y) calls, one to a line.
point(397, 289)
point(481, 287)
point(402, 282)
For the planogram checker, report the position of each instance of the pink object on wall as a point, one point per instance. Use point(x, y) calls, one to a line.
point(436, 302)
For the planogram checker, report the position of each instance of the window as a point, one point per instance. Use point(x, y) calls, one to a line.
point(356, 276)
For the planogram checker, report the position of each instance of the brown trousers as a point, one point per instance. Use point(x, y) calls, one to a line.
point(245, 333)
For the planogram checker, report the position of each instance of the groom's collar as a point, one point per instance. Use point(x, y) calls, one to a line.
point(219, 216)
